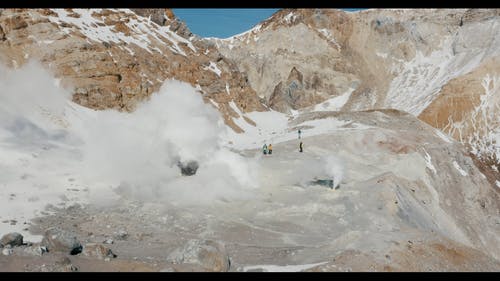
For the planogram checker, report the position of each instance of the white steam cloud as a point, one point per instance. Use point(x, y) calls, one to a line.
point(53, 151)
point(334, 169)
point(134, 154)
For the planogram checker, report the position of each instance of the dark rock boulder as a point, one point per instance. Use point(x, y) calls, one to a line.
point(189, 168)
point(13, 239)
point(56, 239)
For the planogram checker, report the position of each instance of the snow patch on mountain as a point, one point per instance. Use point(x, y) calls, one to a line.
point(443, 136)
point(142, 29)
point(428, 163)
point(459, 169)
point(335, 103)
point(330, 37)
point(213, 67)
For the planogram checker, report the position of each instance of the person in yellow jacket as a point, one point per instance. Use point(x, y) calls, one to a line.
point(270, 149)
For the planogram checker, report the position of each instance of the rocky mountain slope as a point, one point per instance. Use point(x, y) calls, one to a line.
point(420, 61)
point(440, 65)
point(114, 58)
point(403, 196)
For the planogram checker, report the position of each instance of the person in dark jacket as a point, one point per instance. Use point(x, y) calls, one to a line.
point(264, 149)
point(301, 146)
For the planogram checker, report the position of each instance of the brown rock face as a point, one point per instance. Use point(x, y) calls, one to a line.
point(295, 93)
point(467, 109)
point(287, 94)
point(12, 239)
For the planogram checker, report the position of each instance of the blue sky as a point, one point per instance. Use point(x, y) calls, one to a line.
point(222, 23)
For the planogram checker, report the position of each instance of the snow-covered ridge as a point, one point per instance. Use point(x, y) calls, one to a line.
point(290, 17)
point(421, 80)
point(252, 31)
point(426, 75)
point(245, 36)
point(142, 30)
point(335, 103)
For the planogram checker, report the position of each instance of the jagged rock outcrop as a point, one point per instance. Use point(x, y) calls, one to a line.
point(295, 93)
point(13, 239)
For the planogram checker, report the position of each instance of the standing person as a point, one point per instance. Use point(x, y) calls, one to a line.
point(264, 149)
point(270, 149)
point(300, 147)
point(299, 133)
